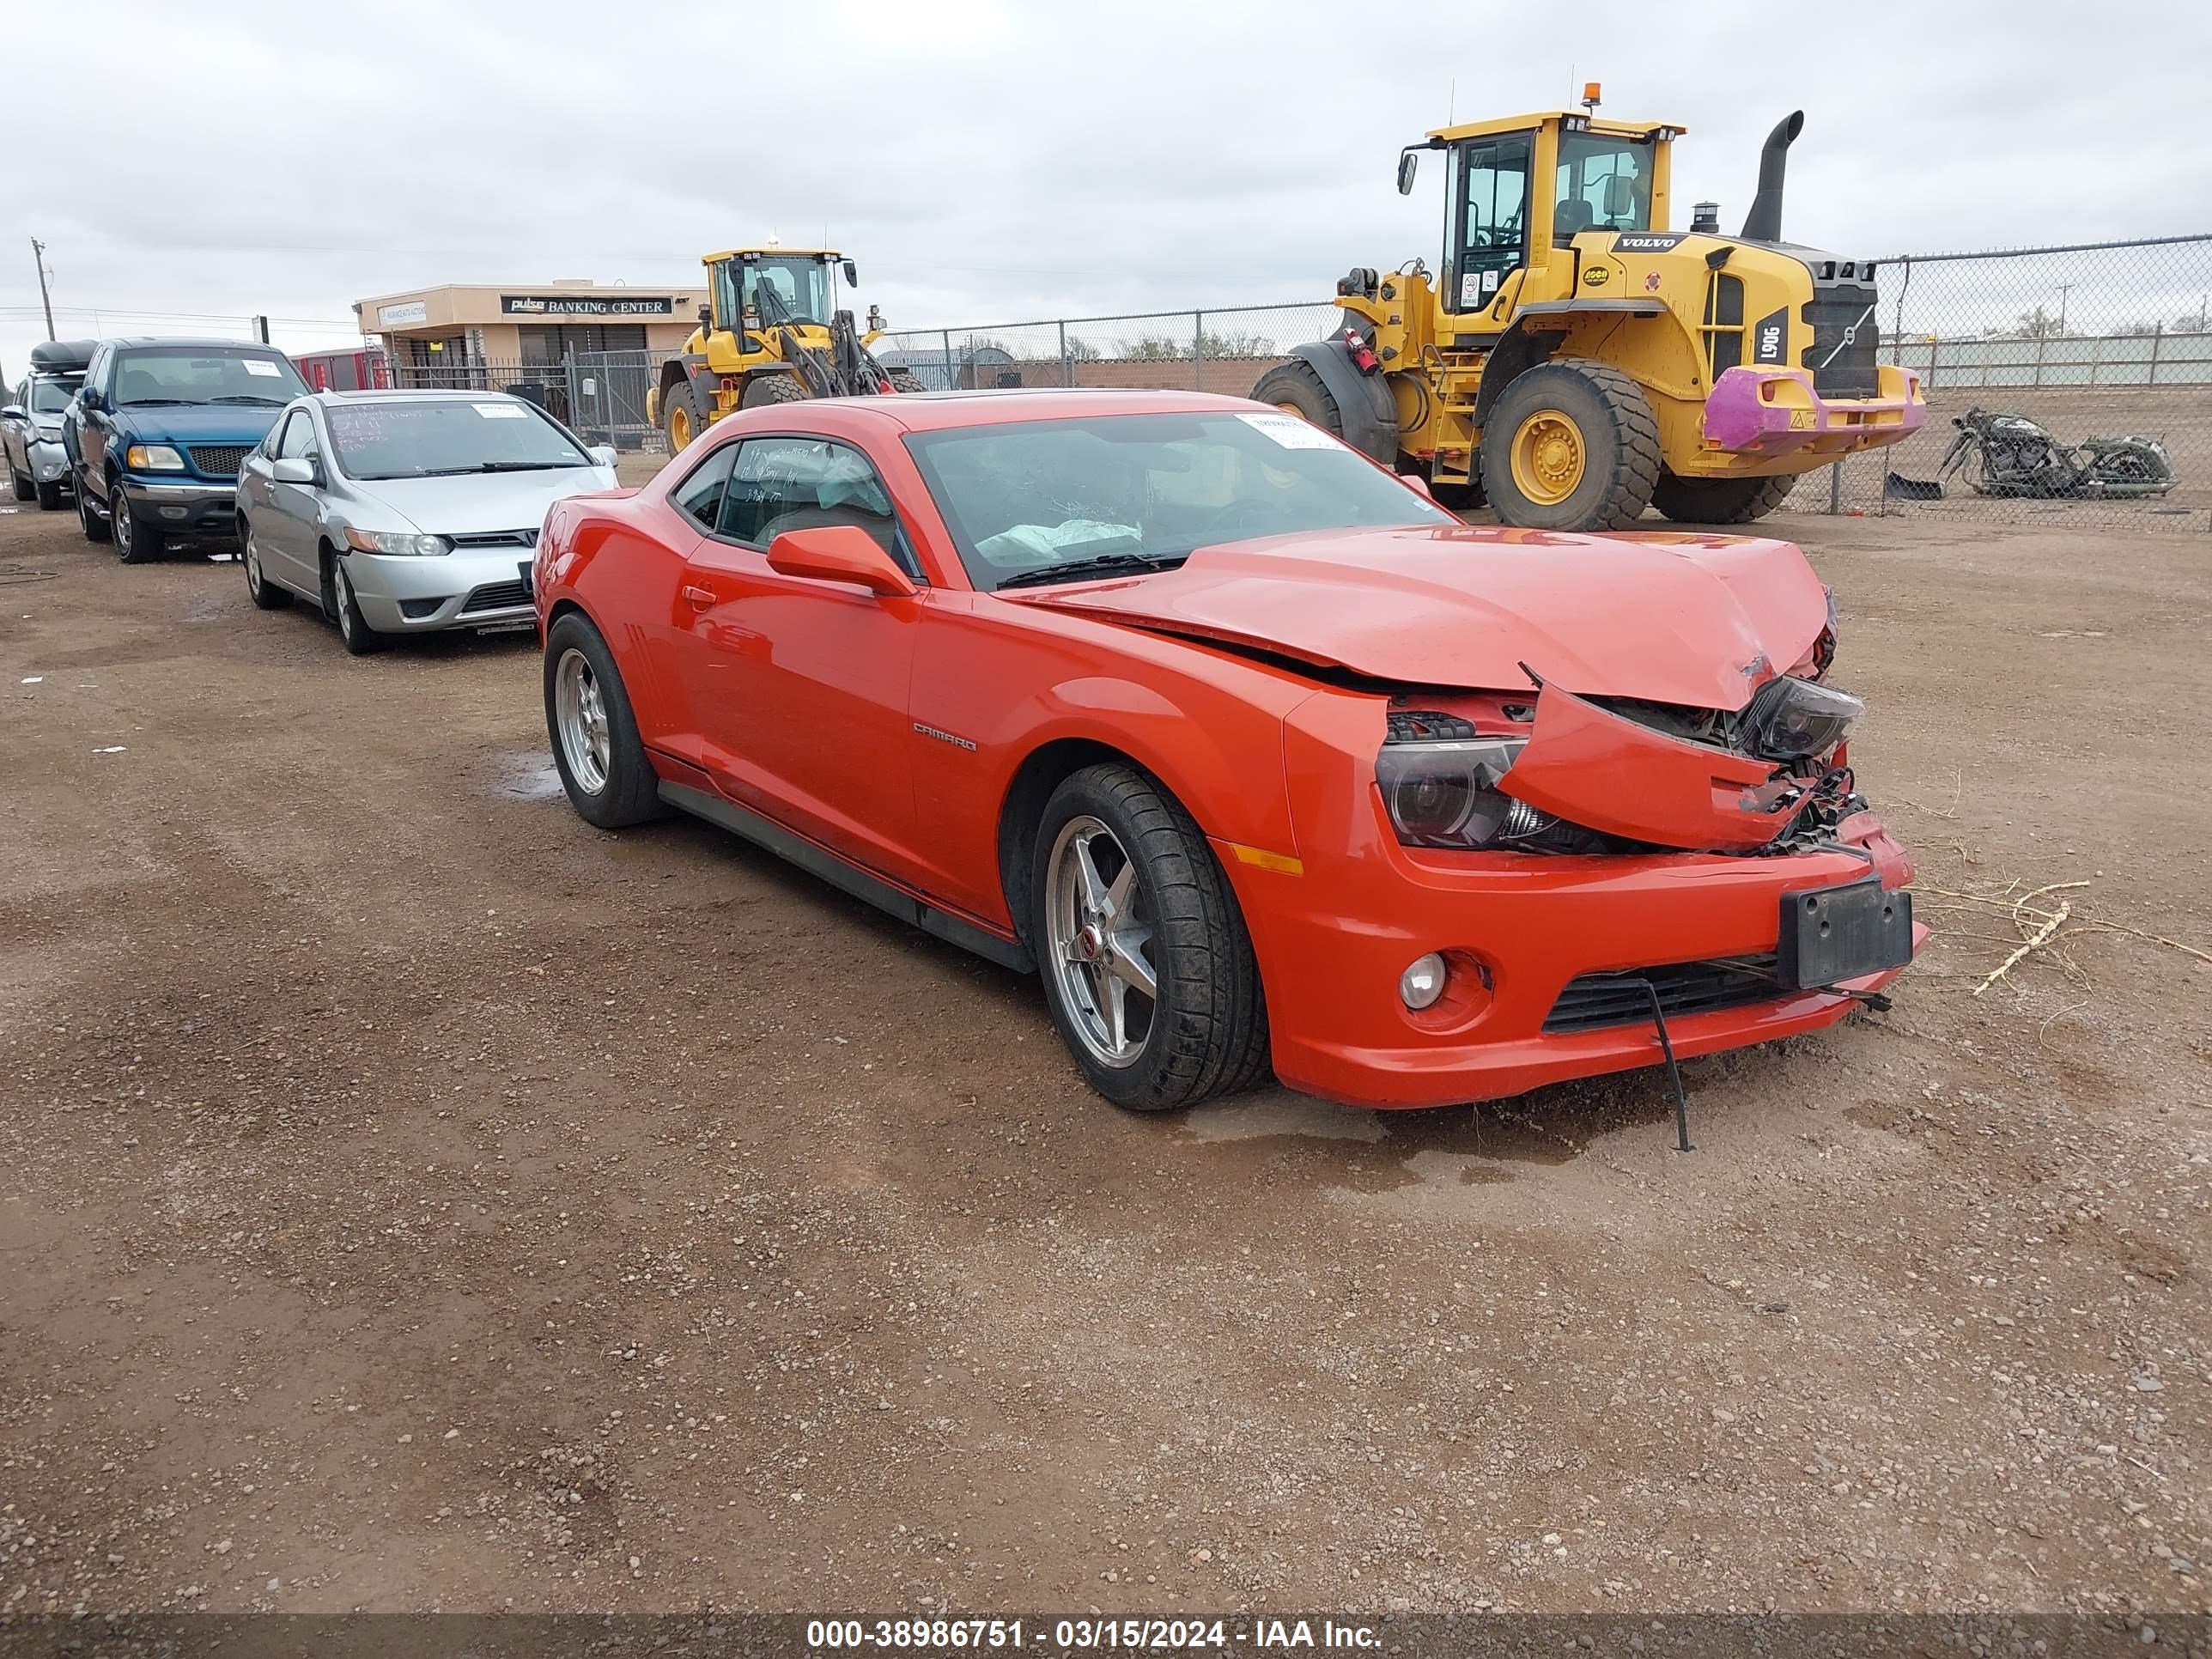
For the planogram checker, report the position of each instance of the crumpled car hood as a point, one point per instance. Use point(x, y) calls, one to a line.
point(1664, 616)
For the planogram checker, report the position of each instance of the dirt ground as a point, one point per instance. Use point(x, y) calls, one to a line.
point(412, 1198)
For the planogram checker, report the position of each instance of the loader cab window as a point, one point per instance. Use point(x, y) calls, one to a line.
point(1489, 235)
point(1603, 184)
point(795, 290)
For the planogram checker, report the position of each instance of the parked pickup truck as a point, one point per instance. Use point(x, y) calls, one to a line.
point(156, 435)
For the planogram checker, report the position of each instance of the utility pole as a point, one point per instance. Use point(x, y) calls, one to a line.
point(2064, 289)
point(38, 257)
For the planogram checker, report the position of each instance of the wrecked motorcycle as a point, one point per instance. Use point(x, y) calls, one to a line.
point(2012, 455)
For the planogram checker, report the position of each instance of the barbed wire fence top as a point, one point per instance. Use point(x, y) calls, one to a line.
point(2091, 343)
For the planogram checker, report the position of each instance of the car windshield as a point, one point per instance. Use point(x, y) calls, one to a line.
point(431, 440)
point(1036, 501)
point(205, 375)
point(52, 396)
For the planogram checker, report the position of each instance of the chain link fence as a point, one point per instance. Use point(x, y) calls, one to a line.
point(2091, 344)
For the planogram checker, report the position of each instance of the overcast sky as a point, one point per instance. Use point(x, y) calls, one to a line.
point(992, 160)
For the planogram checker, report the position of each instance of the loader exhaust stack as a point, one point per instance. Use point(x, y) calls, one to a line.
point(1764, 223)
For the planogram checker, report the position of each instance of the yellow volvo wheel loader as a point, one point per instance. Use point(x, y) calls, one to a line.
point(1575, 360)
point(768, 335)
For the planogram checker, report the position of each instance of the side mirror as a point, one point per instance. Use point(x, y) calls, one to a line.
point(1408, 161)
point(1417, 484)
point(293, 469)
point(852, 276)
point(839, 553)
point(13, 412)
point(604, 454)
point(707, 317)
point(1619, 196)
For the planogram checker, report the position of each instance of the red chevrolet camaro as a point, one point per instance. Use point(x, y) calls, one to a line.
point(1256, 756)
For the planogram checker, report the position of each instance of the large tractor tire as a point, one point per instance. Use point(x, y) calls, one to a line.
point(1719, 501)
point(1570, 446)
point(905, 381)
point(778, 388)
point(681, 418)
point(1295, 388)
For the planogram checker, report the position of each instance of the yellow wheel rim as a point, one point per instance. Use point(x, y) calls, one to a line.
point(1548, 457)
point(1291, 409)
point(679, 426)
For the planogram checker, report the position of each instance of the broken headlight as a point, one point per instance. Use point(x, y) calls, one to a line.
point(1445, 793)
point(1793, 720)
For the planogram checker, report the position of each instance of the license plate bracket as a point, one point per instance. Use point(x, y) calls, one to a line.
point(1834, 933)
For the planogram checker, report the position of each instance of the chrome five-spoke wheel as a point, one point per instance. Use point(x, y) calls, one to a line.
point(1099, 942)
point(580, 714)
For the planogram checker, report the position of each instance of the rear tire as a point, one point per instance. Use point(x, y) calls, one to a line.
point(773, 388)
point(1719, 501)
point(1206, 1028)
point(905, 381)
point(265, 594)
point(601, 757)
point(1570, 446)
point(681, 418)
point(1296, 389)
point(89, 521)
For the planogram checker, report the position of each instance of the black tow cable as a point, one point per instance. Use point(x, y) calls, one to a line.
point(1673, 1071)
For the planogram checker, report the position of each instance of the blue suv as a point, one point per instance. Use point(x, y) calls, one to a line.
point(156, 435)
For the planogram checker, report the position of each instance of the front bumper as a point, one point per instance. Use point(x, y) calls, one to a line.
point(185, 508)
point(49, 462)
point(405, 593)
point(1774, 412)
point(1531, 924)
point(1337, 919)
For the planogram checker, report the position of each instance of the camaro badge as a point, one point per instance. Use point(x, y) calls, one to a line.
point(942, 737)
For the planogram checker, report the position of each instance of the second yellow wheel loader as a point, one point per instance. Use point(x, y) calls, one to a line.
point(769, 334)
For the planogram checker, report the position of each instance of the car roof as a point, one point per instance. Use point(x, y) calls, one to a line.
point(930, 411)
point(192, 342)
point(426, 395)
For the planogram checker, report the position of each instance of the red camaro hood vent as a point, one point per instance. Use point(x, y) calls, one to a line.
point(1663, 617)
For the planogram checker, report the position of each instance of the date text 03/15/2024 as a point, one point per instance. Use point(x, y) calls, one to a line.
point(954, 1635)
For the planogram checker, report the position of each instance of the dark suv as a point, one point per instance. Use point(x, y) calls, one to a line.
point(156, 437)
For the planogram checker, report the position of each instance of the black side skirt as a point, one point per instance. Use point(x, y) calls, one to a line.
point(819, 861)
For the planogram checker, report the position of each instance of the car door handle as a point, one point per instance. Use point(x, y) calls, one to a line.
point(698, 598)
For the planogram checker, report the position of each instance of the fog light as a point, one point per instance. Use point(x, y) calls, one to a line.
point(1422, 983)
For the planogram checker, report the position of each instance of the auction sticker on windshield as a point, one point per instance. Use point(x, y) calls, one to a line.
point(501, 412)
point(258, 366)
point(1290, 431)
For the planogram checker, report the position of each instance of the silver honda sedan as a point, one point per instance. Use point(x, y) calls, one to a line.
point(407, 512)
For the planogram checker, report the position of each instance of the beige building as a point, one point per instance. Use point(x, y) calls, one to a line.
point(452, 326)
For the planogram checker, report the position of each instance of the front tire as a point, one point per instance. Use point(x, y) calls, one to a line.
point(50, 496)
point(1570, 446)
point(265, 594)
point(95, 528)
point(1296, 389)
point(21, 483)
point(905, 381)
point(135, 543)
point(1148, 970)
point(773, 388)
point(1719, 501)
point(596, 745)
point(359, 638)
